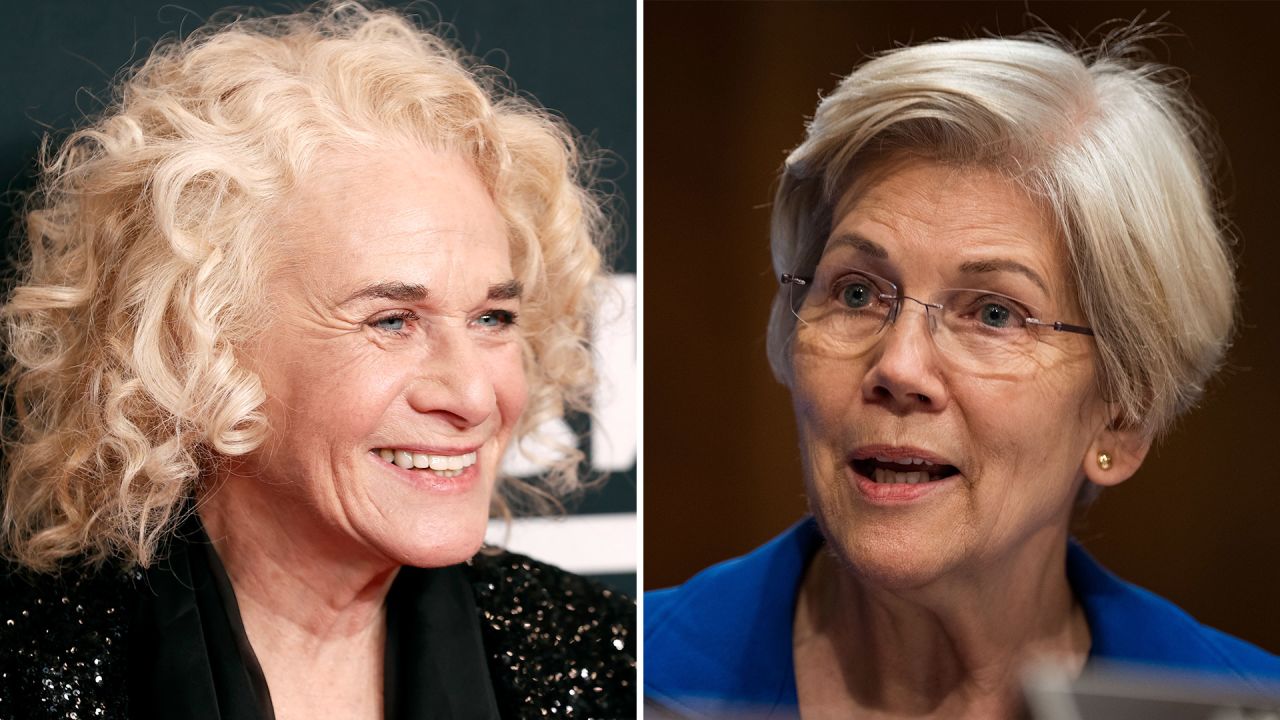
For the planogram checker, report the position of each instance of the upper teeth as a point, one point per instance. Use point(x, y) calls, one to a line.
point(406, 459)
point(903, 461)
point(882, 475)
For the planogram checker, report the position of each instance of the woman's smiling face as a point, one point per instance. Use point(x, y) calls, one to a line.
point(393, 340)
point(1006, 444)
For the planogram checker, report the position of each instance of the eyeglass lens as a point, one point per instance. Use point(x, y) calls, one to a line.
point(842, 312)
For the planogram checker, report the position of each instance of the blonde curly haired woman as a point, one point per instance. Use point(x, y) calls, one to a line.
point(288, 301)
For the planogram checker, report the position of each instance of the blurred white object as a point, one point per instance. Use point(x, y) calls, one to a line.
point(613, 431)
point(1119, 692)
point(602, 544)
point(613, 405)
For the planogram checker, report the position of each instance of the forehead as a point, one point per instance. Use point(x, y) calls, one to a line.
point(415, 215)
point(937, 215)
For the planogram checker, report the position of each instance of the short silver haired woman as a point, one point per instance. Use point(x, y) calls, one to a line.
point(1002, 277)
point(288, 302)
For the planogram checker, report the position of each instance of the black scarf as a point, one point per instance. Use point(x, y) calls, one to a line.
point(190, 657)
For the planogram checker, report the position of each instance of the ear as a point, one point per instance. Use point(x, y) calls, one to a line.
point(1125, 446)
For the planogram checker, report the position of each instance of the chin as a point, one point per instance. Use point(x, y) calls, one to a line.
point(448, 547)
point(443, 556)
point(444, 534)
point(888, 557)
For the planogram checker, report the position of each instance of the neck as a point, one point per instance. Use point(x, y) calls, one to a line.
point(951, 648)
point(298, 585)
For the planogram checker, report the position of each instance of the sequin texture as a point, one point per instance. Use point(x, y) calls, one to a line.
point(63, 645)
point(558, 645)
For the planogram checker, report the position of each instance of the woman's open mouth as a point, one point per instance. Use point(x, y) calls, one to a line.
point(907, 470)
point(445, 466)
point(893, 475)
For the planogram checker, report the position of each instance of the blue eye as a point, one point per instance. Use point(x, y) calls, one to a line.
point(995, 315)
point(983, 311)
point(392, 323)
point(497, 319)
point(857, 295)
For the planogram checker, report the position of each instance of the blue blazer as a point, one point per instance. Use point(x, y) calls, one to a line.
point(721, 642)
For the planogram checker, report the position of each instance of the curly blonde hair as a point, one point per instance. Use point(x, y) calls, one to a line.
point(147, 260)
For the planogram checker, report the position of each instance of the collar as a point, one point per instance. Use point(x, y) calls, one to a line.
point(723, 640)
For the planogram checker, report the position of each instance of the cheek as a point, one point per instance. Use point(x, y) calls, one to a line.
point(822, 397)
point(325, 394)
point(1046, 417)
point(510, 386)
point(823, 400)
point(1026, 439)
point(350, 406)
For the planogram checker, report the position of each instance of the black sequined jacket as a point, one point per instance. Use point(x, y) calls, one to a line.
point(556, 644)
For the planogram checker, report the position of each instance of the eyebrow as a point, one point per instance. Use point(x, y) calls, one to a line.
point(392, 290)
point(861, 244)
point(415, 293)
point(976, 267)
point(972, 267)
point(509, 290)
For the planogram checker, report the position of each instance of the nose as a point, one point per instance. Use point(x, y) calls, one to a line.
point(454, 383)
point(904, 375)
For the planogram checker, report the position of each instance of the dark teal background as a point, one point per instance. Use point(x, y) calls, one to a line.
point(57, 58)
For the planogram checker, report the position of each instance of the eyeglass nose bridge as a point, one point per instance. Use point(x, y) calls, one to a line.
point(896, 309)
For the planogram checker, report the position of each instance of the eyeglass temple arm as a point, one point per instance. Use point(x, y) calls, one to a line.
point(1062, 327)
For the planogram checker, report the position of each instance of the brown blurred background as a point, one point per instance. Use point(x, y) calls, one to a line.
point(727, 89)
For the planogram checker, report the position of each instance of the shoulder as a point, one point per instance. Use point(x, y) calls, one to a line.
point(725, 634)
point(63, 642)
point(1133, 625)
point(554, 639)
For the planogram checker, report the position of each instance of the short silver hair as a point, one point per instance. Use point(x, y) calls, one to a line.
point(1113, 146)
